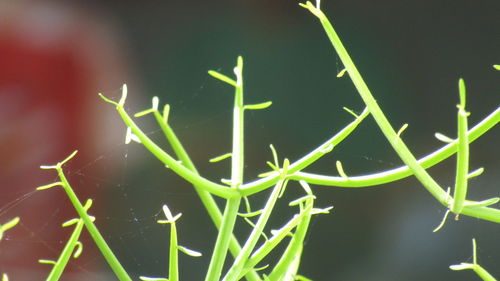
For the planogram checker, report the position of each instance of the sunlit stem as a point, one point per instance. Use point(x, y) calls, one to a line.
point(237, 164)
point(462, 155)
point(479, 270)
point(205, 196)
point(399, 146)
point(168, 160)
point(293, 251)
point(254, 236)
point(110, 257)
point(63, 259)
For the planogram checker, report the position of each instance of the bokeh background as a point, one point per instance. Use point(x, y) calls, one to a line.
point(57, 55)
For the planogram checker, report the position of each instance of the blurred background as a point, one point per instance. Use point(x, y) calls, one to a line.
point(57, 55)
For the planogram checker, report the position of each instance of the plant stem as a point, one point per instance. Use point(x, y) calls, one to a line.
point(63, 259)
point(254, 236)
point(372, 179)
point(92, 229)
point(237, 165)
point(394, 139)
point(305, 161)
point(181, 170)
point(384, 125)
point(205, 197)
point(294, 248)
point(221, 245)
point(462, 155)
point(399, 173)
point(173, 266)
point(259, 254)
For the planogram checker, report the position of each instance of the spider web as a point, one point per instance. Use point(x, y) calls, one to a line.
point(125, 206)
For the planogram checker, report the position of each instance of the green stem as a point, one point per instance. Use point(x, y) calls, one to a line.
point(221, 245)
point(92, 229)
point(63, 259)
point(294, 248)
point(237, 165)
point(275, 240)
point(485, 275)
point(462, 155)
point(173, 267)
point(485, 213)
point(8, 225)
point(479, 270)
point(384, 125)
point(368, 180)
point(205, 197)
point(306, 160)
point(181, 170)
point(402, 172)
point(394, 139)
point(254, 236)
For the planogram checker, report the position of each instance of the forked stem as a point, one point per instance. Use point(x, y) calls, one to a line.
point(87, 220)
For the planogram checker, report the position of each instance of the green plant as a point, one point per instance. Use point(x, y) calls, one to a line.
point(3, 228)
point(235, 192)
point(479, 270)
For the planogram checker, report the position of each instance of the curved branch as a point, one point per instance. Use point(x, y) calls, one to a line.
point(402, 172)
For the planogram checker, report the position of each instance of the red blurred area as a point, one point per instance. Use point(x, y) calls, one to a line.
point(54, 59)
